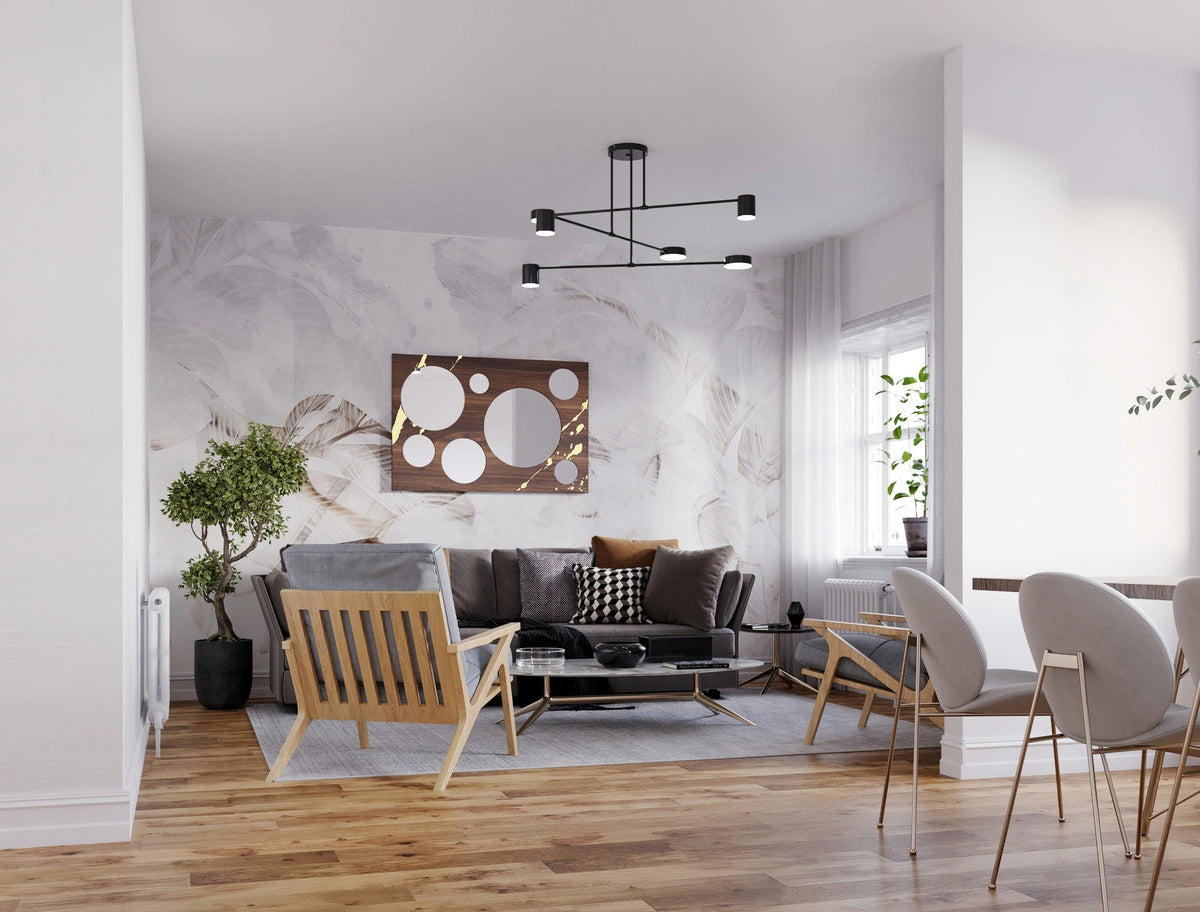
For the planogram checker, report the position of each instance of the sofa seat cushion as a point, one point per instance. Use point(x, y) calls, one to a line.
point(885, 652)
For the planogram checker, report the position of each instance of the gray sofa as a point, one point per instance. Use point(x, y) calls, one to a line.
point(485, 584)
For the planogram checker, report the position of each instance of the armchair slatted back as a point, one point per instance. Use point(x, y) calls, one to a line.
point(378, 656)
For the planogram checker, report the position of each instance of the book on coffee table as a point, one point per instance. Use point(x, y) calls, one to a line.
point(694, 664)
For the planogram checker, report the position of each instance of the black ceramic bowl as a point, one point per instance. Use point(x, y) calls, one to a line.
point(619, 655)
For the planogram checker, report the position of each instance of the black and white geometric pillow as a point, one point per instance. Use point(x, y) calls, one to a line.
point(610, 596)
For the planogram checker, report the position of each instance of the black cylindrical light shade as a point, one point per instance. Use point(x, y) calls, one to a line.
point(672, 254)
point(530, 275)
point(746, 208)
point(543, 220)
point(738, 261)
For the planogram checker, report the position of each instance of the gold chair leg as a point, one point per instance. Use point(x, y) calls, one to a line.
point(1112, 793)
point(916, 753)
point(1055, 735)
point(1162, 841)
point(1087, 733)
point(1156, 770)
point(1012, 795)
point(887, 774)
point(299, 727)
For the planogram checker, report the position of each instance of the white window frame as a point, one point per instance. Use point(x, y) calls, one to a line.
point(867, 347)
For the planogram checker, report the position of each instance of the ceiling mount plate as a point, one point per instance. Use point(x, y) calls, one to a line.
point(627, 151)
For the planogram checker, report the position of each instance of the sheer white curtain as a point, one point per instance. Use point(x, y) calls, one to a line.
point(813, 322)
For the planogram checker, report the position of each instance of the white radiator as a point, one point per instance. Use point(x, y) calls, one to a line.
point(156, 682)
point(845, 598)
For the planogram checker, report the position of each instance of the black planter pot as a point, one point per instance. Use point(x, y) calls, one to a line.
point(224, 673)
point(916, 535)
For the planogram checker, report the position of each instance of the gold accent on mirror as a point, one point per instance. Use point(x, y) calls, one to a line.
point(489, 424)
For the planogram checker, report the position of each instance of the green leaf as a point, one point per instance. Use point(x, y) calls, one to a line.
point(886, 379)
point(1183, 394)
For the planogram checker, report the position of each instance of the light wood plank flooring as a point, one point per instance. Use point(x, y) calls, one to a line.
point(774, 834)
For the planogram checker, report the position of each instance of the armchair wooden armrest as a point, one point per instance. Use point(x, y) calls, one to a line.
point(487, 636)
point(821, 625)
point(879, 617)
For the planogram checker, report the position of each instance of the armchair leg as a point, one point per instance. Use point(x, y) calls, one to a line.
point(866, 710)
point(289, 746)
point(364, 737)
point(819, 707)
point(457, 743)
point(506, 701)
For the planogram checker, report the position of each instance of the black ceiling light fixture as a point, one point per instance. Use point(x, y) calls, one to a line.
point(544, 222)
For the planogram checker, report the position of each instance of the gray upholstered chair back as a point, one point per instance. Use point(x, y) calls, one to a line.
point(951, 649)
point(387, 567)
point(1129, 673)
point(1187, 620)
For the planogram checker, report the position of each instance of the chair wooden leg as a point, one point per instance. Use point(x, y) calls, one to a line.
point(289, 746)
point(510, 721)
point(457, 743)
point(819, 707)
point(364, 737)
point(866, 710)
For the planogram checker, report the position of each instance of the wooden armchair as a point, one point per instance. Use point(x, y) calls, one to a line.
point(379, 656)
point(865, 657)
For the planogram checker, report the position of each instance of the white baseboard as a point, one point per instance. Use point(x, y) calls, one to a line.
point(994, 755)
point(75, 817)
point(65, 818)
point(183, 688)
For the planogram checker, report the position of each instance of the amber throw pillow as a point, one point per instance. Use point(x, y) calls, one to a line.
point(619, 553)
point(683, 586)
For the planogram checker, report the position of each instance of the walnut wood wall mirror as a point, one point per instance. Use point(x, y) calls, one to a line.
point(489, 424)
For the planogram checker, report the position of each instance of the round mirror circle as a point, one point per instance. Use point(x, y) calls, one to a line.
point(564, 384)
point(522, 427)
point(463, 460)
point(566, 472)
point(479, 384)
point(418, 450)
point(432, 398)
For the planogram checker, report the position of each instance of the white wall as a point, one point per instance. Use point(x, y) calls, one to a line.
point(888, 262)
point(248, 319)
point(72, 543)
point(1071, 269)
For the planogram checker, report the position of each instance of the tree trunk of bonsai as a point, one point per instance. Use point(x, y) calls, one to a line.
point(224, 624)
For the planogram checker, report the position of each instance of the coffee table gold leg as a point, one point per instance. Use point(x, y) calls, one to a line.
point(537, 709)
point(704, 700)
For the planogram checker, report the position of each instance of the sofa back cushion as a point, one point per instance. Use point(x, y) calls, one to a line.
point(472, 582)
point(507, 570)
point(684, 586)
point(549, 592)
point(620, 553)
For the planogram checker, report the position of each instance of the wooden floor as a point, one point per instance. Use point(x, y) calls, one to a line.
point(758, 835)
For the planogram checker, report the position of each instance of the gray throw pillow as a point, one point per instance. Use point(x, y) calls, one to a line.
point(548, 591)
point(683, 586)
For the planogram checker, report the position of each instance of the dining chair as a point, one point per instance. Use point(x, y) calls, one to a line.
point(1186, 607)
point(947, 644)
point(1109, 679)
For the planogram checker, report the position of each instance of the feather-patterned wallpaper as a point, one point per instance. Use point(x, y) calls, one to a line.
point(294, 326)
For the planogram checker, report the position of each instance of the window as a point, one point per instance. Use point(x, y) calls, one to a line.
point(897, 344)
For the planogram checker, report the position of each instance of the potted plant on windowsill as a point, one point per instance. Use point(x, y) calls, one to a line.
point(910, 471)
point(232, 502)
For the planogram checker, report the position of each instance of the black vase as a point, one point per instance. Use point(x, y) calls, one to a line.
point(795, 614)
point(224, 673)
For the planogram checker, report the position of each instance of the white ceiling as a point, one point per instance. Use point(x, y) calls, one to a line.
point(459, 116)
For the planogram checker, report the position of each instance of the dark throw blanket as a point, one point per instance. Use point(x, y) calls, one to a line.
point(539, 633)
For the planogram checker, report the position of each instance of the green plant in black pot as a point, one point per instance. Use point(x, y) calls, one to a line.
point(232, 501)
point(910, 471)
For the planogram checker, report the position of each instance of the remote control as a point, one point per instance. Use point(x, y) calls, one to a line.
point(697, 663)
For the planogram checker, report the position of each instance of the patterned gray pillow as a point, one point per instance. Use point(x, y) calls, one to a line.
point(548, 585)
point(611, 595)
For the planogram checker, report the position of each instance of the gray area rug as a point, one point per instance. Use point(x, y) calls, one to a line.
point(647, 733)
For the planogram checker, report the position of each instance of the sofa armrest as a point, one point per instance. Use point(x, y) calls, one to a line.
point(739, 611)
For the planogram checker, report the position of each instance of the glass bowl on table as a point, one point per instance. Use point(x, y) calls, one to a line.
point(541, 657)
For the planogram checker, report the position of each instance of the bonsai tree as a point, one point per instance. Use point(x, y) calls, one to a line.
point(912, 410)
point(232, 501)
